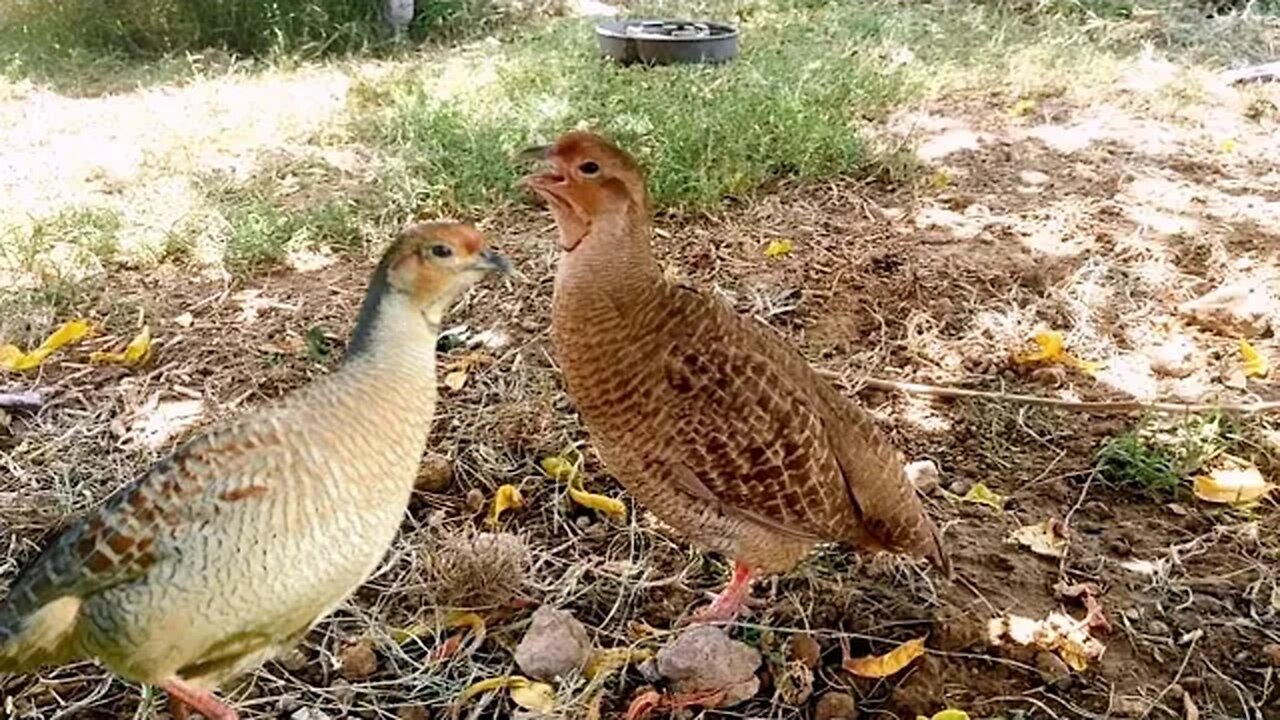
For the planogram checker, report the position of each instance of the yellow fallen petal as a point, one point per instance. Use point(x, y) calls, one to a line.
point(940, 179)
point(1024, 106)
point(458, 618)
point(1231, 486)
point(137, 351)
point(607, 505)
point(948, 714)
point(778, 248)
point(484, 686)
point(508, 497)
point(558, 468)
point(403, 635)
point(1255, 363)
point(604, 662)
point(980, 494)
point(1050, 344)
point(1229, 145)
point(13, 359)
point(536, 696)
point(881, 666)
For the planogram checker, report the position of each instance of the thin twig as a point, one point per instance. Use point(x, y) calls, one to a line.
point(1077, 405)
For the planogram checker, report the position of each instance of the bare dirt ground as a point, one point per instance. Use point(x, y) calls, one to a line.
point(1097, 221)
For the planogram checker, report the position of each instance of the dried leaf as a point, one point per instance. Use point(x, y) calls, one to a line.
point(604, 662)
point(455, 380)
point(1047, 538)
point(778, 248)
point(980, 494)
point(536, 696)
point(1255, 364)
point(135, 353)
point(1058, 633)
point(948, 714)
point(185, 320)
point(1024, 106)
point(530, 695)
point(558, 468)
point(1052, 349)
point(508, 497)
point(1232, 486)
point(14, 360)
point(881, 666)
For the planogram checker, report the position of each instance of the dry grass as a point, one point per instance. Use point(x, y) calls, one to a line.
point(936, 279)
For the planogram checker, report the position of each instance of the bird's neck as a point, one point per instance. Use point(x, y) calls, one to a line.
point(392, 355)
point(614, 262)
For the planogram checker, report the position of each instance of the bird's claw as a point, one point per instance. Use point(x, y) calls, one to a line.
point(645, 703)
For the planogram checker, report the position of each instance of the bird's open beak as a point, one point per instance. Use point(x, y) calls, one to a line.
point(490, 261)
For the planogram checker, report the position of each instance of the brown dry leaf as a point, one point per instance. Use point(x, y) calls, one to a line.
point(508, 497)
point(1048, 538)
point(1255, 363)
point(1058, 633)
point(135, 353)
point(1052, 349)
point(1232, 486)
point(15, 360)
point(890, 663)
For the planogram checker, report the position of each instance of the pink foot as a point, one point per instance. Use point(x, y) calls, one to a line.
point(728, 604)
point(183, 697)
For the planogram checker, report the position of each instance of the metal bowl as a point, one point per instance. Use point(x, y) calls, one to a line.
point(662, 42)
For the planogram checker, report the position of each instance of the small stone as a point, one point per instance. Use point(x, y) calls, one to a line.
point(310, 714)
point(1271, 652)
point(959, 486)
point(475, 500)
point(435, 473)
point(1129, 707)
point(705, 659)
point(1120, 547)
point(358, 661)
point(342, 693)
point(1176, 691)
point(1033, 177)
point(555, 645)
point(805, 649)
point(1053, 671)
point(1192, 684)
point(583, 522)
point(1173, 357)
point(835, 706)
point(413, 712)
point(924, 475)
point(1245, 307)
point(288, 703)
point(1155, 627)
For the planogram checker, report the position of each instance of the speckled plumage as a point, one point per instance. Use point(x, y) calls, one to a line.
point(709, 419)
point(231, 548)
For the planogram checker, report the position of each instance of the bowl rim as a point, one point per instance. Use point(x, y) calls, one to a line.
point(605, 30)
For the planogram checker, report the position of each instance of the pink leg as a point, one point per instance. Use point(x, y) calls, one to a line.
point(202, 701)
point(729, 602)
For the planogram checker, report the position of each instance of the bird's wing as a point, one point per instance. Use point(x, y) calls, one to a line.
point(143, 523)
point(763, 433)
point(742, 427)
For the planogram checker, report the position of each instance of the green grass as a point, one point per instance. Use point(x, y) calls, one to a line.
point(1157, 456)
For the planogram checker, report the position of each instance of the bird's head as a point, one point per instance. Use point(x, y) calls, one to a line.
point(590, 184)
point(428, 267)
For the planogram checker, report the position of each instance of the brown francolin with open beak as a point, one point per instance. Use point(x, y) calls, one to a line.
point(229, 550)
point(710, 420)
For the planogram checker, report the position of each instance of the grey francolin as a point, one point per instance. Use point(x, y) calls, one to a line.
point(229, 550)
point(710, 420)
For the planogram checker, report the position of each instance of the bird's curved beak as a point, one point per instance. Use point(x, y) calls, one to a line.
point(490, 261)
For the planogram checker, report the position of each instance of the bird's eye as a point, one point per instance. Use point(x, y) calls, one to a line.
point(589, 168)
point(441, 251)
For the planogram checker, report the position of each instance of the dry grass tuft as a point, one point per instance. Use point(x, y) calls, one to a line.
point(473, 570)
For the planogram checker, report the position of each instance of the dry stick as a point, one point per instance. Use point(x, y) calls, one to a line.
point(24, 400)
point(1077, 405)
